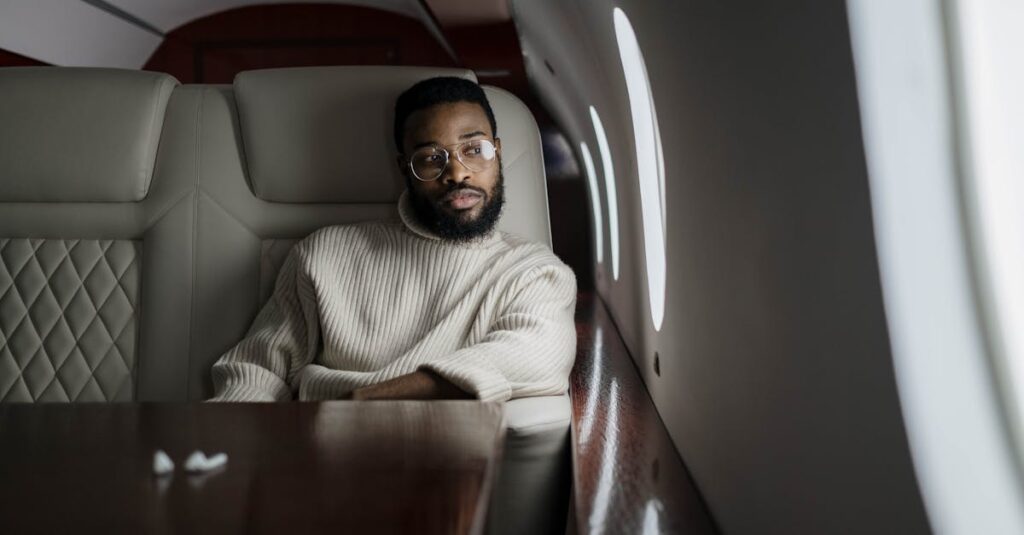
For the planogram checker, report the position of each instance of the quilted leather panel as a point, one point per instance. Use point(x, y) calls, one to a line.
point(68, 311)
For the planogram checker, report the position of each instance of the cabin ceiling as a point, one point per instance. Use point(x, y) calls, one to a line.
point(124, 33)
point(469, 12)
point(167, 16)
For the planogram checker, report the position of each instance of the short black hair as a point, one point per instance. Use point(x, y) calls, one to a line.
point(434, 91)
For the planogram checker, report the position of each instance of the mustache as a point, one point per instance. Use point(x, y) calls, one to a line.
point(456, 189)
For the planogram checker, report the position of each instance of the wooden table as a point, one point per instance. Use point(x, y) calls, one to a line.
point(339, 467)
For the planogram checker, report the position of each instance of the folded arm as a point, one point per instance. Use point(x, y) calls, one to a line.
point(529, 349)
point(422, 385)
point(282, 339)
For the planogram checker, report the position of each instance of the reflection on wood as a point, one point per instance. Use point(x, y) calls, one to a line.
point(339, 467)
point(628, 476)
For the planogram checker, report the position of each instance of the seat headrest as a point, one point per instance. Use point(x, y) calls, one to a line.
point(324, 134)
point(522, 162)
point(79, 134)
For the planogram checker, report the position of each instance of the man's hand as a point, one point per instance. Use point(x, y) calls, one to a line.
point(416, 385)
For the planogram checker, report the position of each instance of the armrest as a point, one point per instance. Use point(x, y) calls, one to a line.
point(528, 416)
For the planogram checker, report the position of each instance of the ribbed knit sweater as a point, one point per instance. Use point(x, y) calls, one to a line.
point(356, 305)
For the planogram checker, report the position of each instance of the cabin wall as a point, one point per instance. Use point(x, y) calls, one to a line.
point(776, 379)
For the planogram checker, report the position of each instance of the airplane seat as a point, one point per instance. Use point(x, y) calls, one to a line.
point(90, 241)
point(142, 225)
point(286, 151)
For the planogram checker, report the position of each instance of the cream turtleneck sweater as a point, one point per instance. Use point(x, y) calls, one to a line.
point(356, 305)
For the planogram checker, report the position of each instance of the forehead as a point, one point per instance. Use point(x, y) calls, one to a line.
point(444, 123)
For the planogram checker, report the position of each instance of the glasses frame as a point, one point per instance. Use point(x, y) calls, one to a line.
point(448, 157)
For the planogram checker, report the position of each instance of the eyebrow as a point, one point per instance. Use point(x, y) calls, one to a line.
point(469, 135)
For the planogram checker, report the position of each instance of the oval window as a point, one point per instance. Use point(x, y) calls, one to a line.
point(649, 162)
point(609, 185)
point(595, 201)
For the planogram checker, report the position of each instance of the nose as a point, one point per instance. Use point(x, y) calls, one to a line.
point(456, 173)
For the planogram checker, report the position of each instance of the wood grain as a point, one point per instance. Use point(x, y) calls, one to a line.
point(352, 467)
point(628, 476)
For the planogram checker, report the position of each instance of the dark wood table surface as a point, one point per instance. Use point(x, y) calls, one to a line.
point(339, 467)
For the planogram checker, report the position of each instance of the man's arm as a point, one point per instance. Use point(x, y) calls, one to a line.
point(422, 384)
point(263, 365)
point(530, 347)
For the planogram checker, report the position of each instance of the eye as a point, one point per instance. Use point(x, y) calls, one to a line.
point(428, 158)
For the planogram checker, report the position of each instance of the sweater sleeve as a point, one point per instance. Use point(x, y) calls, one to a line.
point(529, 349)
point(281, 341)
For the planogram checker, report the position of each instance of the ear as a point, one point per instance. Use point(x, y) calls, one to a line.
point(497, 145)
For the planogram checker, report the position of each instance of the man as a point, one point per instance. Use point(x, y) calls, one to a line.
point(435, 305)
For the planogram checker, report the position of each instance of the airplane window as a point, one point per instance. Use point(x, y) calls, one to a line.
point(595, 201)
point(649, 161)
point(992, 78)
point(609, 184)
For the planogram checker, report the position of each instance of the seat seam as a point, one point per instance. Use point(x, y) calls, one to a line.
point(113, 338)
point(31, 323)
point(195, 248)
point(133, 375)
point(165, 210)
point(224, 209)
point(161, 88)
point(152, 121)
point(99, 318)
point(60, 318)
point(25, 317)
point(63, 309)
point(510, 163)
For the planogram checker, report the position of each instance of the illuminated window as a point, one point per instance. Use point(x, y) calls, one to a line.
point(992, 80)
point(595, 201)
point(609, 185)
point(649, 161)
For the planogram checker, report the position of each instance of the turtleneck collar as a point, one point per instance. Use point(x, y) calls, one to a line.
point(408, 215)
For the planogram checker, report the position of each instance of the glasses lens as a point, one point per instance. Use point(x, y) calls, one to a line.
point(428, 163)
point(477, 154)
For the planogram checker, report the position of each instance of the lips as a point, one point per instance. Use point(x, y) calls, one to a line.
point(463, 199)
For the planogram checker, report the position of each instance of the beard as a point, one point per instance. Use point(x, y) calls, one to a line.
point(451, 226)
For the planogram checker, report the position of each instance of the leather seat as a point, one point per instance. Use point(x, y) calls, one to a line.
point(87, 237)
point(275, 162)
point(142, 225)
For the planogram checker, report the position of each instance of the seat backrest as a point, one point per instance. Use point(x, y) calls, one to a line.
point(272, 163)
point(324, 135)
point(142, 223)
point(87, 237)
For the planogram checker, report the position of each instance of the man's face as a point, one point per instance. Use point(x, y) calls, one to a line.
point(462, 203)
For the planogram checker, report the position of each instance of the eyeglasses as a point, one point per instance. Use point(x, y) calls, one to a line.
point(428, 163)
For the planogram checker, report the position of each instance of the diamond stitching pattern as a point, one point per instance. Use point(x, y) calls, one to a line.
point(68, 311)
